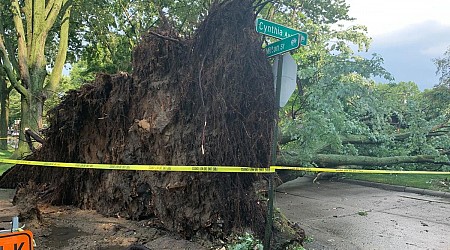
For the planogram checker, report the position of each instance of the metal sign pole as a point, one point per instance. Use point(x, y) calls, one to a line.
point(269, 221)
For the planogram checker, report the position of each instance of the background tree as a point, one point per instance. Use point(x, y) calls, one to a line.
point(4, 112)
point(443, 68)
point(110, 29)
point(26, 64)
point(5, 87)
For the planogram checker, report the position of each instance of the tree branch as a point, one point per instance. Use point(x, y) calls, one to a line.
point(164, 37)
point(56, 74)
point(336, 160)
point(9, 70)
point(22, 44)
point(12, 58)
point(260, 5)
point(53, 14)
point(9, 47)
point(28, 11)
point(364, 139)
point(49, 7)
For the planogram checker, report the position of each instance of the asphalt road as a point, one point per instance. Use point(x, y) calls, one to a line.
point(338, 215)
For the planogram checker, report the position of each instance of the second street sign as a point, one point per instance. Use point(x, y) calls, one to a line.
point(278, 31)
point(282, 46)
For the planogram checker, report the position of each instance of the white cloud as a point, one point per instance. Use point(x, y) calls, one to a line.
point(437, 50)
point(427, 32)
point(408, 52)
point(385, 16)
point(407, 34)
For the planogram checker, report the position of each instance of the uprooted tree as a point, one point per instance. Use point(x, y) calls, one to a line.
point(205, 101)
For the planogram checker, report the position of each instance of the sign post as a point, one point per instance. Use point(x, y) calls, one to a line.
point(269, 224)
point(291, 39)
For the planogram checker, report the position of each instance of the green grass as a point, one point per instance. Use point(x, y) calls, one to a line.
point(432, 182)
point(5, 154)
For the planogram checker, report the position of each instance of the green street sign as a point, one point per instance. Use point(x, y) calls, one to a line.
point(282, 46)
point(278, 31)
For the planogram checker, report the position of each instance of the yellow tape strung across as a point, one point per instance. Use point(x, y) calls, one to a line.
point(220, 169)
point(214, 169)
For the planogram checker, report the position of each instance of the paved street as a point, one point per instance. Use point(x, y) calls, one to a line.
point(338, 215)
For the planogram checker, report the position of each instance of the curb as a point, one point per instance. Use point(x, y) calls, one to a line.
point(397, 188)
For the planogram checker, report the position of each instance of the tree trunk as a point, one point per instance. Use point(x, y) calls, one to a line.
point(4, 103)
point(338, 160)
point(31, 118)
point(333, 160)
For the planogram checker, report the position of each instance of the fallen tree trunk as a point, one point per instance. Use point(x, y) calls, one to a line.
point(333, 160)
point(364, 139)
point(337, 160)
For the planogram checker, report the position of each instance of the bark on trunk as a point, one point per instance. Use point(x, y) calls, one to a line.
point(337, 160)
point(4, 99)
point(31, 118)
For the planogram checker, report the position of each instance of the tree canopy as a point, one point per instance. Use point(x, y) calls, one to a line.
point(443, 68)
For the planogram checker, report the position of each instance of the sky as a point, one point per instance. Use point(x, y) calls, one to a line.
point(407, 34)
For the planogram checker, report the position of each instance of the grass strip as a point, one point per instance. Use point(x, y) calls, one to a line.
point(431, 182)
point(5, 166)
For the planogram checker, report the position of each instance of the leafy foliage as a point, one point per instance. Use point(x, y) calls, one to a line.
point(106, 31)
point(443, 68)
point(246, 242)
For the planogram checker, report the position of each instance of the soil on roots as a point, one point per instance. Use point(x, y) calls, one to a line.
point(205, 101)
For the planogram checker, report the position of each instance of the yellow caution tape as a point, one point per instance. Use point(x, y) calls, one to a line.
point(220, 169)
point(214, 169)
